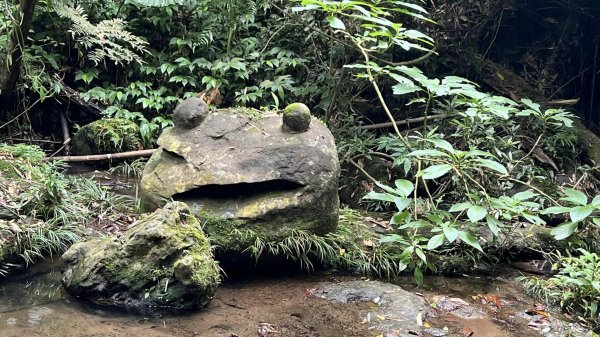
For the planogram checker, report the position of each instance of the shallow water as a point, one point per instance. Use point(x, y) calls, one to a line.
point(34, 304)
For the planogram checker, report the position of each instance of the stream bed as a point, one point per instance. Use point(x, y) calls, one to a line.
point(34, 304)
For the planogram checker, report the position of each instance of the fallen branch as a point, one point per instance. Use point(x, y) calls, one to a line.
point(101, 157)
point(402, 122)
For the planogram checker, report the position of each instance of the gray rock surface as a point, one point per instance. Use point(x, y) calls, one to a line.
point(394, 312)
point(240, 171)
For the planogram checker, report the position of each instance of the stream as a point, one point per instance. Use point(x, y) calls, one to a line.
point(34, 304)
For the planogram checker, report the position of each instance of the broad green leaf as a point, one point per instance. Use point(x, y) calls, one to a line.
point(336, 23)
point(564, 230)
point(402, 203)
point(442, 144)
point(399, 218)
point(403, 89)
point(469, 239)
point(404, 186)
point(380, 196)
point(525, 195)
point(435, 241)
point(415, 224)
point(596, 201)
point(451, 233)
point(581, 212)
point(556, 210)
point(493, 224)
point(389, 238)
point(421, 254)
point(596, 221)
point(386, 188)
point(436, 171)
point(534, 106)
point(460, 207)
point(418, 274)
point(476, 213)
point(492, 165)
point(428, 153)
point(575, 197)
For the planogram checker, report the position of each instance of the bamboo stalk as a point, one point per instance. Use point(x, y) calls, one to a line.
point(101, 157)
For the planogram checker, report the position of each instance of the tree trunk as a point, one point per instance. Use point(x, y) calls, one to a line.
point(9, 73)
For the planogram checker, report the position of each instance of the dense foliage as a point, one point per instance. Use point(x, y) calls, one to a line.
point(468, 169)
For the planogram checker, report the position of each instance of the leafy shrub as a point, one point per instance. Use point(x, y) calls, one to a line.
point(576, 287)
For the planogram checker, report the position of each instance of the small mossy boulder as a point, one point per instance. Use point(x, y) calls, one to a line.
point(108, 135)
point(296, 118)
point(164, 262)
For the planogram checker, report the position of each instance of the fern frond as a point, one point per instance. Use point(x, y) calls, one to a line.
point(108, 39)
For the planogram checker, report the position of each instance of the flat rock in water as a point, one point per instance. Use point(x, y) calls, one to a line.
point(395, 311)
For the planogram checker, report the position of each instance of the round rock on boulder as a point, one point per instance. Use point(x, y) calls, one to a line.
point(241, 173)
point(296, 118)
point(164, 262)
point(190, 113)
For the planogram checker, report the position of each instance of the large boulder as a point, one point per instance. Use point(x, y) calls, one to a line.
point(240, 171)
point(163, 262)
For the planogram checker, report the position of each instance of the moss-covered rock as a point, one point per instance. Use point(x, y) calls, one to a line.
point(296, 118)
point(240, 171)
point(108, 135)
point(163, 262)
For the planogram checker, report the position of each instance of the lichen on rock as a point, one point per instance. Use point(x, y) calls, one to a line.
point(163, 262)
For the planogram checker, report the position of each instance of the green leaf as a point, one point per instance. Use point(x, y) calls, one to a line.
point(596, 201)
point(564, 231)
point(526, 195)
point(436, 241)
point(556, 210)
point(399, 218)
point(404, 88)
point(451, 233)
point(476, 213)
point(442, 144)
point(405, 187)
point(460, 207)
point(336, 23)
point(492, 165)
point(418, 274)
point(493, 224)
point(402, 203)
point(421, 254)
point(390, 238)
point(436, 171)
point(596, 221)
point(581, 212)
point(380, 196)
point(575, 197)
point(428, 153)
point(469, 239)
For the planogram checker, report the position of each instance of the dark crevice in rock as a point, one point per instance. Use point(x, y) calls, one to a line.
point(174, 155)
point(238, 191)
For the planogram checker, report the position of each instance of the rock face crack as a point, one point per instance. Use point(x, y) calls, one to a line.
point(221, 133)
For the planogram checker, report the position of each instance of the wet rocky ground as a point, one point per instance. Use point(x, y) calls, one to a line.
point(318, 305)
